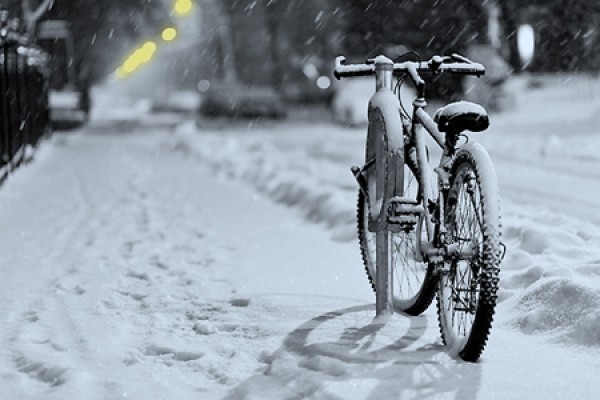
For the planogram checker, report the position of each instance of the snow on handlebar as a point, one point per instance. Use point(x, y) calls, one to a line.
point(455, 63)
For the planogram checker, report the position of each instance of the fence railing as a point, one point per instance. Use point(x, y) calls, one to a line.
point(24, 112)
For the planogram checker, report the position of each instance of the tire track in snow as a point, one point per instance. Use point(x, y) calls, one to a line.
point(139, 282)
point(44, 320)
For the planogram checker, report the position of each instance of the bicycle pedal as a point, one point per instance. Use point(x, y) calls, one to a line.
point(404, 205)
point(404, 211)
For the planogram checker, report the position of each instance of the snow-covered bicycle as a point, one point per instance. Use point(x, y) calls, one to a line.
point(424, 230)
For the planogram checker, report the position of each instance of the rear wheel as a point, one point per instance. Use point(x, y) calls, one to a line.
point(413, 279)
point(469, 280)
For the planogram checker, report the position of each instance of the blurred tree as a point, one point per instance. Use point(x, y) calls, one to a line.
point(270, 42)
point(106, 30)
point(568, 37)
point(14, 7)
point(287, 44)
point(304, 38)
point(567, 33)
point(426, 26)
point(509, 22)
point(33, 10)
point(30, 11)
point(218, 20)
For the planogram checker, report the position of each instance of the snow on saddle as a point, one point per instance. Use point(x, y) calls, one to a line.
point(461, 115)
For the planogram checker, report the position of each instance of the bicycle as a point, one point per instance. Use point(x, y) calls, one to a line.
point(419, 237)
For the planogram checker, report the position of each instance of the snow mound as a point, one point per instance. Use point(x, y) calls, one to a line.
point(301, 178)
point(564, 307)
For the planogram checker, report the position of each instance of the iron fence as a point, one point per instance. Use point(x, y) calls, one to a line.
point(24, 111)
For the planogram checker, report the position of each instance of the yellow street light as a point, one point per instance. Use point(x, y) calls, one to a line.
point(120, 73)
point(169, 34)
point(183, 7)
point(147, 52)
point(149, 46)
point(131, 64)
point(143, 55)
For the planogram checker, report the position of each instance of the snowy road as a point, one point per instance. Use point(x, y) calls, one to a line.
point(553, 165)
point(131, 271)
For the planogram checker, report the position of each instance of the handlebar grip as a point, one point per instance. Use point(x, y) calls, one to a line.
point(464, 68)
point(347, 70)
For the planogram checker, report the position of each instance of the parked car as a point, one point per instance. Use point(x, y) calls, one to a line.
point(351, 100)
point(180, 101)
point(69, 99)
point(241, 101)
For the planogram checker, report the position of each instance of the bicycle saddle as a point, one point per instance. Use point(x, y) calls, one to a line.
point(461, 115)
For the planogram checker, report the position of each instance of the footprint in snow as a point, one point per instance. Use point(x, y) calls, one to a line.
point(184, 248)
point(51, 375)
point(137, 275)
point(240, 302)
point(169, 353)
point(206, 328)
point(76, 290)
point(156, 262)
point(31, 316)
point(207, 262)
point(135, 296)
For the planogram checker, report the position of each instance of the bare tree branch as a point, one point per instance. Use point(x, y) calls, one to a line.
point(42, 8)
point(31, 16)
point(222, 22)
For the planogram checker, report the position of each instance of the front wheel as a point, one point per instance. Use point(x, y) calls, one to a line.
point(469, 278)
point(413, 284)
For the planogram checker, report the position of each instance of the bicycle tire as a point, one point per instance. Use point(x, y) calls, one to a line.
point(467, 292)
point(415, 284)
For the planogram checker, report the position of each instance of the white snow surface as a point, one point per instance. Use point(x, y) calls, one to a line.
point(149, 262)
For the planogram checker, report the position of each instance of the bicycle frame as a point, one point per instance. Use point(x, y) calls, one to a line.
point(422, 121)
point(432, 200)
point(436, 248)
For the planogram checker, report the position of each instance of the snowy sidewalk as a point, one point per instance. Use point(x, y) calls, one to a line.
point(129, 271)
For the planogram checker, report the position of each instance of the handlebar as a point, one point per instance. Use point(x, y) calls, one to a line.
point(455, 64)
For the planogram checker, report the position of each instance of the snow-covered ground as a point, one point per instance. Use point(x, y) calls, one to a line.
point(151, 261)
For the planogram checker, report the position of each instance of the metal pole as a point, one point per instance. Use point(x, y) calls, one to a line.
point(9, 109)
point(384, 76)
point(383, 278)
